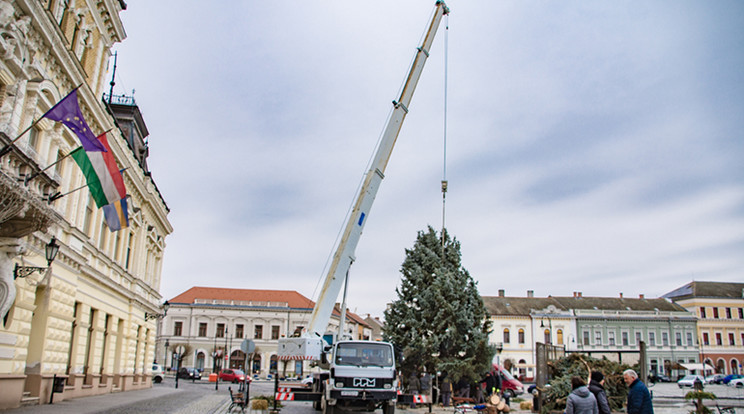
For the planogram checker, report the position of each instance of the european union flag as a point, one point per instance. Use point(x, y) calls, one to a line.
point(67, 111)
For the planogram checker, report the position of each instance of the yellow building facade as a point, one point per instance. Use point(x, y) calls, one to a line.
point(719, 307)
point(82, 318)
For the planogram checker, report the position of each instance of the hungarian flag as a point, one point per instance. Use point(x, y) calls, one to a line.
point(104, 179)
point(67, 111)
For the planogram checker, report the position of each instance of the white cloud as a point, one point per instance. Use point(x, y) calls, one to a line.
point(590, 147)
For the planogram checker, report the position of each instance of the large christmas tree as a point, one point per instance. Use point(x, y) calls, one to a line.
point(438, 322)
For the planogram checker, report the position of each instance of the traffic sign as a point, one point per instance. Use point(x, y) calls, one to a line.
point(248, 346)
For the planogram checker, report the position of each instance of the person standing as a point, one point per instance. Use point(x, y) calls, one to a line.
point(581, 400)
point(596, 386)
point(446, 389)
point(425, 382)
point(639, 399)
point(463, 387)
point(414, 386)
point(493, 382)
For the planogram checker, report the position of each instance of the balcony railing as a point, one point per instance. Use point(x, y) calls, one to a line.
point(119, 99)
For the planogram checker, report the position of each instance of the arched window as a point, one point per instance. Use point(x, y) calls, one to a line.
point(547, 337)
point(200, 360)
point(237, 359)
point(734, 366)
point(720, 366)
point(521, 336)
point(256, 363)
point(559, 336)
point(506, 335)
point(273, 364)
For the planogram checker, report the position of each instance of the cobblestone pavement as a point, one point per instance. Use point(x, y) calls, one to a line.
point(202, 398)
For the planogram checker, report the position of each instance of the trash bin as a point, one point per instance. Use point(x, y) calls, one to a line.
point(212, 377)
point(59, 384)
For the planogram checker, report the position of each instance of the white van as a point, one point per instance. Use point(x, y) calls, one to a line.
point(158, 373)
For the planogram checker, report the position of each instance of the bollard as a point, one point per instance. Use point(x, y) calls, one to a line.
point(276, 389)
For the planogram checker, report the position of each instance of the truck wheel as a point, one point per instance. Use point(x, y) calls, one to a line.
point(327, 408)
point(388, 408)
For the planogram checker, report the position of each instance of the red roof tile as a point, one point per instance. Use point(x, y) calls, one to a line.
point(291, 297)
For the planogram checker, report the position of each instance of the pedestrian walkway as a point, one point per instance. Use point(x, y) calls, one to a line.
point(151, 400)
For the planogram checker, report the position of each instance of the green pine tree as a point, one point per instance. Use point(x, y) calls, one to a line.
point(439, 321)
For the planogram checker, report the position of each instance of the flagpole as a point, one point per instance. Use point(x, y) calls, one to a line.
point(8, 146)
point(57, 196)
point(32, 176)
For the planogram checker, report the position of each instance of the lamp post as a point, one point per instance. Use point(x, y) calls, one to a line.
point(165, 308)
point(165, 354)
point(50, 252)
point(226, 360)
point(215, 355)
point(176, 357)
point(499, 348)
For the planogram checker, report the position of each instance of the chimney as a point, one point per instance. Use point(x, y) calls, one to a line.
point(621, 295)
point(641, 296)
point(530, 293)
point(574, 294)
point(578, 294)
point(501, 293)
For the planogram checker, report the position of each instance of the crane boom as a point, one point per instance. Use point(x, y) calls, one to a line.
point(344, 255)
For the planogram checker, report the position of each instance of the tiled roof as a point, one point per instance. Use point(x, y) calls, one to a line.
point(258, 297)
point(292, 298)
point(697, 289)
point(350, 315)
point(503, 305)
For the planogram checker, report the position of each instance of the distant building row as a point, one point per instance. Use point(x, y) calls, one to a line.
point(699, 322)
point(702, 321)
point(212, 323)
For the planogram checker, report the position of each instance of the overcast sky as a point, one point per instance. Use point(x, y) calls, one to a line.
point(591, 146)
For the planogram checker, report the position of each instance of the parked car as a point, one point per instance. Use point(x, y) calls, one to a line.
point(689, 380)
point(736, 382)
point(158, 373)
point(728, 378)
point(511, 385)
point(714, 379)
point(189, 373)
point(659, 378)
point(232, 375)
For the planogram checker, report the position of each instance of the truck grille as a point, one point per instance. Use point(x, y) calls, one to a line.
point(364, 382)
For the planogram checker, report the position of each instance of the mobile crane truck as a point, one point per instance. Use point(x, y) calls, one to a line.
point(357, 374)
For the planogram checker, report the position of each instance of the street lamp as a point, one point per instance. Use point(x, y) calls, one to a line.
point(215, 355)
point(165, 354)
point(226, 360)
point(499, 348)
point(51, 250)
point(165, 307)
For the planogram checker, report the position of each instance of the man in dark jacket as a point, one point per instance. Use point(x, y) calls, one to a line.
point(596, 386)
point(639, 399)
point(493, 382)
point(414, 386)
